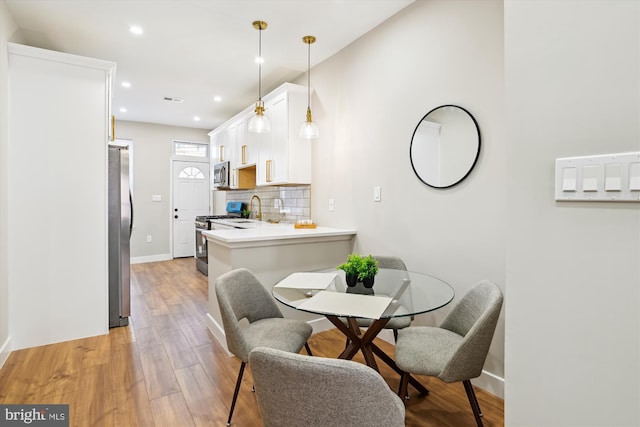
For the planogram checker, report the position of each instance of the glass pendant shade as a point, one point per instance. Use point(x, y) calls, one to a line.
point(259, 123)
point(309, 130)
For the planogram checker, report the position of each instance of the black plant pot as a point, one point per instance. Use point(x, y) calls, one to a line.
point(368, 281)
point(351, 280)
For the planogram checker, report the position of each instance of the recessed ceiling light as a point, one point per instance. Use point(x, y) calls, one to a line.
point(136, 30)
point(123, 110)
point(196, 118)
point(125, 84)
point(217, 98)
point(259, 60)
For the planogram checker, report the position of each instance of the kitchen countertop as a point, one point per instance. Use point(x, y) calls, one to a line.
point(261, 233)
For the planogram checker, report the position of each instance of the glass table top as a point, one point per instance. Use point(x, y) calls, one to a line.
point(404, 293)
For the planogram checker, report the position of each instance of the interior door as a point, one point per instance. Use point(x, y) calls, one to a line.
point(190, 199)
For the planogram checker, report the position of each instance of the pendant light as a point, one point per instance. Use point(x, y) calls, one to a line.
point(309, 130)
point(259, 123)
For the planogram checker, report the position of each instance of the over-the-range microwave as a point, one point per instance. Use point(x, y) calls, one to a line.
point(221, 175)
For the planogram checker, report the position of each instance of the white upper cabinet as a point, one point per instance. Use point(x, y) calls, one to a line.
point(223, 143)
point(283, 157)
point(280, 157)
point(246, 149)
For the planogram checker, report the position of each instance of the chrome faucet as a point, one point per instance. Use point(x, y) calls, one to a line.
point(259, 214)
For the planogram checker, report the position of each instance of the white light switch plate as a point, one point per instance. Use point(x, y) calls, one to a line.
point(376, 194)
point(601, 178)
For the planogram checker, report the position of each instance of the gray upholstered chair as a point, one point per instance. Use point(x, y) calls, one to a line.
point(296, 390)
point(456, 350)
point(395, 323)
point(252, 319)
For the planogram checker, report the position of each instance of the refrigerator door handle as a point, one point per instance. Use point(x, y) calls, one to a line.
point(131, 211)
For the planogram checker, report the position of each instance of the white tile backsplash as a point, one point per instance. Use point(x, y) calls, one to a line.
point(296, 199)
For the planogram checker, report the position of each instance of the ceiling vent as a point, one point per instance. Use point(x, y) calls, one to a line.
point(172, 99)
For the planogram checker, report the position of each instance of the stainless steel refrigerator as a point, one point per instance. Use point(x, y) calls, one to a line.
point(120, 227)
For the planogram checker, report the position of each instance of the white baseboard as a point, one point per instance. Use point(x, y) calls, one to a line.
point(320, 325)
point(491, 383)
point(218, 332)
point(5, 351)
point(151, 258)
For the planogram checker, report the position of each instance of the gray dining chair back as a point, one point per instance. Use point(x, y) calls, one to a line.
point(251, 319)
point(295, 390)
point(391, 262)
point(395, 323)
point(474, 318)
point(456, 350)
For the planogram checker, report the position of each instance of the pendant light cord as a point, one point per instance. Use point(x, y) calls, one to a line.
point(309, 75)
point(260, 63)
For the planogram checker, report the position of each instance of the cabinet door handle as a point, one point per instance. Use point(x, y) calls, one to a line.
point(113, 127)
point(221, 153)
point(268, 170)
point(244, 154)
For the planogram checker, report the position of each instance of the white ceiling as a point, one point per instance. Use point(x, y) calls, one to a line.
point(196, 49)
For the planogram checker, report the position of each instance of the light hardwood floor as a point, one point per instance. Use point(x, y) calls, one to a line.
point(165, 368)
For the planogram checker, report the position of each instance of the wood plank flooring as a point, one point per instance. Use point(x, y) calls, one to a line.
point(165, 368)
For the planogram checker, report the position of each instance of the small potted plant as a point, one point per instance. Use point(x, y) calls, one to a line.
point(368, 271)
point(359, 269)
point(351, 268)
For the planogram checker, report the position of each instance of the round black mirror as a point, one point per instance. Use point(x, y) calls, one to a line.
point(445, 146)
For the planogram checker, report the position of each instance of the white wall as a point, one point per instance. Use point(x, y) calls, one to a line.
point(573, 269)
point(152, 147)
point(7, 27)
point(369, 99)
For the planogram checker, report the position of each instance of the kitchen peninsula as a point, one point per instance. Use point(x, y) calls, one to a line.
point(271, 252)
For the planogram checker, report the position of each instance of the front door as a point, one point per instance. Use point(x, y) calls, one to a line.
point(190, 199)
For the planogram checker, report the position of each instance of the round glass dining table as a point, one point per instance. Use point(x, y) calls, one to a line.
point(411, 293)
point(395, 293)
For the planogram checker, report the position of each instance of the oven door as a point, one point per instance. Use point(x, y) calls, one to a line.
point(221, 175)
point(202, 260)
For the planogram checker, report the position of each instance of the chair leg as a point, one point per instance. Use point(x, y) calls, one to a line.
point(404, 385)
point(235, 393)
point(395, 335)
point(306, 346)
point(473, 400)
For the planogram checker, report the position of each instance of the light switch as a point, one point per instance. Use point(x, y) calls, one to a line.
point(376, 194)
point(634, 176)
point(569, 179)
point(156, 198)
point(590, 178)
point(613, 177)
point(598, 178)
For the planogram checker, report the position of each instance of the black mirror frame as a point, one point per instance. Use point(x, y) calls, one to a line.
point(474, 160)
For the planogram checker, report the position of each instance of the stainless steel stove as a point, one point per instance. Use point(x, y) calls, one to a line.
point(203, 223)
